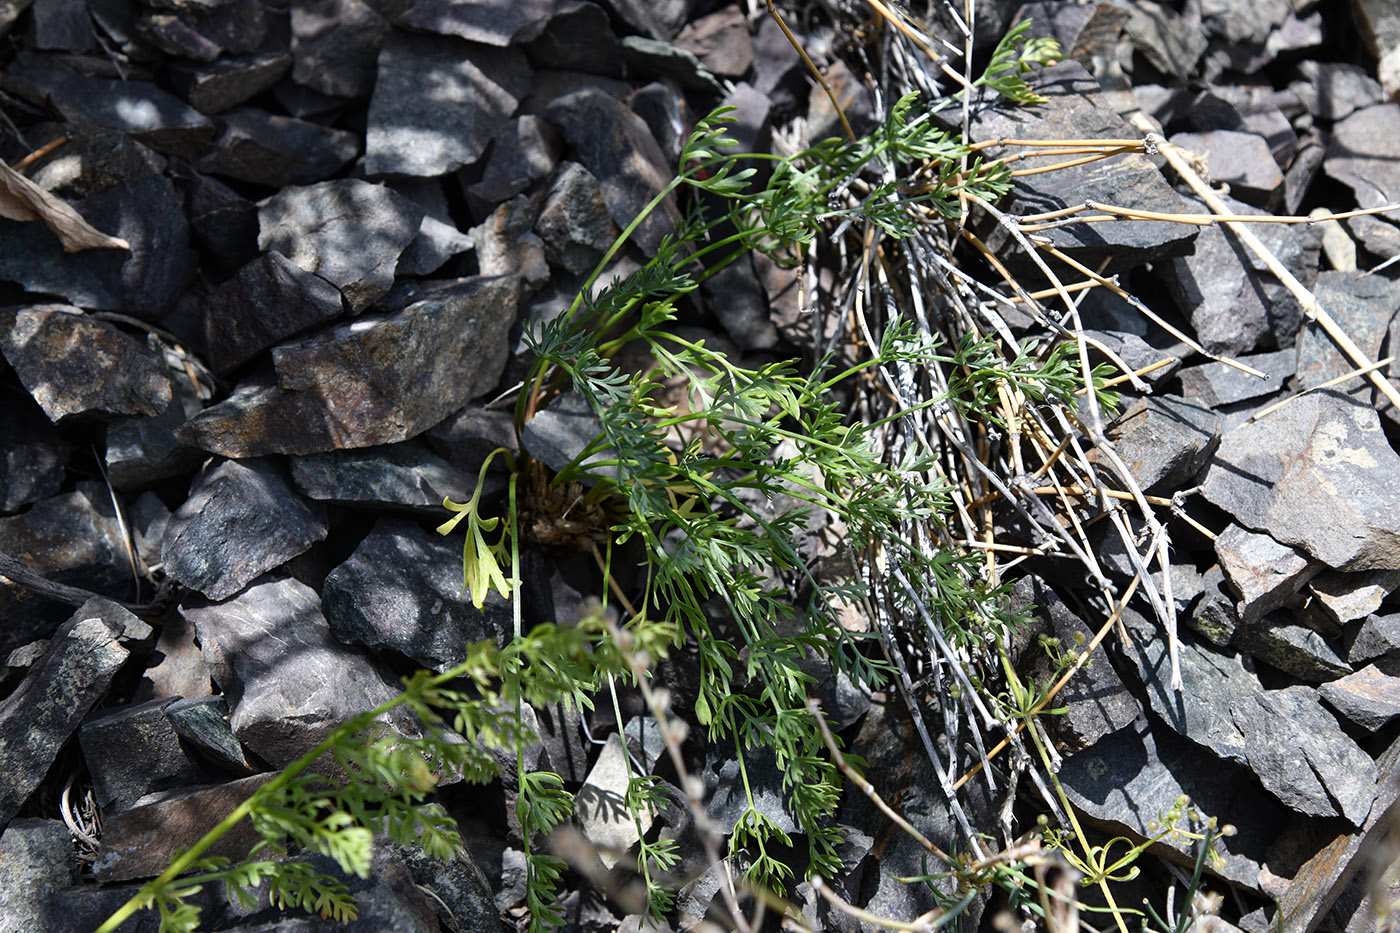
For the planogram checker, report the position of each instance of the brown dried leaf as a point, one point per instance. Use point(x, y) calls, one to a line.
point(21, 199)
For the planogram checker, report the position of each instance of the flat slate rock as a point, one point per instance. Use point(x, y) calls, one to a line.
point(1370, 697)
point(1076, 110)
point(131, 751)
point(1348, 597)
point(1376, 637)
point(38, 859)
point(574, 221)
point(219, 85)
point(44, 710)
point(1216, 384)
point(438, 101)
point(1364, 154)
point(499, 24)
point(615, 145)
point(1318, 474)
point(142, 451)
point(268, 300)
point(270, 149)
point(376, 381)
point(523, 151)
point(349, 232)
point(93, 159)
point(335, 44)
point(271, 649)
point(403, 476)
point(143, 282)
point(1363, 306)
point(74, 364)
point(1165, 440)
point(35, 456)
point(1335, 90)
point(1292, 647)
point(241, 520)
point(402, 589)
point(1241, 160)
point(1262, 572)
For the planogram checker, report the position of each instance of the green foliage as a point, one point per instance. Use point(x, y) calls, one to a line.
point(1013, 57)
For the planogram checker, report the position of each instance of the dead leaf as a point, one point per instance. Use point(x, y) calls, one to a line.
point(21, 199)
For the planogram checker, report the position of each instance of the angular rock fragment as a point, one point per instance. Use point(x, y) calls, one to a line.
point(523, 152)
point(223, 223)
point(93, 159)
point(203, 723)
point(1291, 647)
point(1264, 573)
point(574, 221)
point(219, 85)
point(1077, 107)
point(241, 520)
point(140, 842)
point(1348, 597)
point(143, 451)
point(1241, 160)
point(604, 821)
point(739, 301)
point(206, 31)
point(404, 476)
point(143, 281)
point(38, 860)
point(654, 58)
point(1334, 90)
point(659, 19)
point(34, 457)
point(438, 101)
point(1370, 697)
point(335, 44)
point(615, 145)
point(1217, 384)
point(131, 751)
point(498, 24)
point(273, 150)
point(1376, 637)
point(1364, 154)
point(720, 40)
point(1165, 440)
point(1317, 474)
point(402, 589)
point(507, 245)
point(268, 300)
point(1214, 616)
point(289, 680)
point(1363, 307)
point(45, 709)
point(468, 437)
point(1165, 37)
point(347, 231)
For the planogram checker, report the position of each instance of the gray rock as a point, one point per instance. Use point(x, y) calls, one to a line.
point(241, 520)
point(1214, 616)
point(663, 108)
point(141, 841)
point(1136, 352)
point(223, 223)
point(1098, 702)
point(1244, 21)
point(38, 860)
point(659, 19)
point(402, 589)
point(615, 145)
point(1370, 697)
point(73, 538)
point(1264, 573)
point(1364, 154)
point(143, 451)
point(438, 101)
point(59, 25)
point(206, 31)
point(93, 159)
point(1363, 307)
point(1293, 648)
point(1216, 384)
point(600, 809)
point(1334, 90)
point(1165, 441)
point(458, 882)
point(468, 437)
point(1243, 109)
point(138, 108)
point(143, 282)
point(35, 455)
point(1234, 303)
point(438, 241)
point(1128, 780)
point(45, 709)
point(506, 245)
point(1347, 597)
point(1303, 757)
point(1317, 473)
point(403, 476)
point(219, 85)
point(1376, 637)
point(574, 221)
point(738, 299)
point(498, 24)
point(1307, 162)
point(726, 800)
point(347, 231)
point(287, 677)
point(561, 432)
point(1077, 107)
point(720, 40)
point(131, 751)
point(579, 37)
point(658, 59)
point(203, 723)
point(1241, 160)
point(268, 300)
point(1171, 43)
point(276, 151)
point(523, 152)
point(335, 44)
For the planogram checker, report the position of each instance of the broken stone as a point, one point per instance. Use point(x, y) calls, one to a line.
point(1334, 90)
point(438, 101)
point(574, 221)
point(739, 301)
point(35, 457)
point(178, 670)
point(204, 34)
point(266, 301)
point(506, 245)
point(1165, 38)
point(498, 24)
point(1364, 154)
point(143, 282)
point(1262, 571)
point(1370, 698)
point(1363, 307)
point(1292, 648)
point(287, 677)
point(468, 437)
point(579, 37)
point(404, 476)
point(223, 223)
point(131, 751)
point(1214, 616)
point(241, 520)
point(659, 19)
point(347, 231)
point(45, 709)
point(657, 59)
point(523, 152)
point(1216, 384)
point(93, 159)
point(143, 451)
point(1347, 597)
point(402, 589)
point(219, 85)
point(203, 723)
point(1077, 107)
point(615, 145)
point(561, 432)
point(335, 44)
point(1241, 160)
point(1377, 637)
point(1165, 440)
point(1298, 179)
point(599, 807)
point(720, 41)
point(1318, 474)
point(38, 860)
point(276, 151)
point(662, 107)
point(140, 842)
